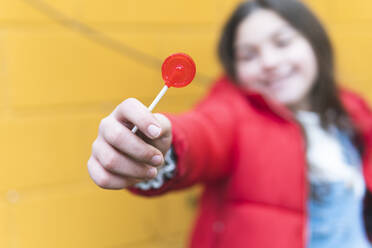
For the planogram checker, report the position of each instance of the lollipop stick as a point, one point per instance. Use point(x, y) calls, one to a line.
point(153, 104)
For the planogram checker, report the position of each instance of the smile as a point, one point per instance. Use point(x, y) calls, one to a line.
point(279, 81)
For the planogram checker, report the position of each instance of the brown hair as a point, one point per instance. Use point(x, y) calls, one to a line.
point(324, 96)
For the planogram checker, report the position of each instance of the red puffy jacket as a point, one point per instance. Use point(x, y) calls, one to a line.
point(250, 155)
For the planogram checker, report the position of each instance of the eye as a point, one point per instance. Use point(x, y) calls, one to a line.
point(246, 55)
point(283, 41)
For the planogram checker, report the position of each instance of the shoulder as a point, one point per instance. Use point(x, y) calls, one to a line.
point(224, 87)
point(224, 92)
point(357, 108)
point(226, 99)
point(353, 100)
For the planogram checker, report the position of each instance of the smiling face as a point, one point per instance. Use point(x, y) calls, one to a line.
point(274, 59)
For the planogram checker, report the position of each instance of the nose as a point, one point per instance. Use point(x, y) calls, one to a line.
point(269, 59)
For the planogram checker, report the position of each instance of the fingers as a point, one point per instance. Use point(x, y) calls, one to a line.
point(106, 179)
point(120, 158)
point(164, 141)
point(121, 138)
point(115, 162)
point(133, 111)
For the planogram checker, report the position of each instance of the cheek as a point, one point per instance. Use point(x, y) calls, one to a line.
point(303, 57)
point(247, 73)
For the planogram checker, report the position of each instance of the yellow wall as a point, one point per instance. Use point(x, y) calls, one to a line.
point(57, 83)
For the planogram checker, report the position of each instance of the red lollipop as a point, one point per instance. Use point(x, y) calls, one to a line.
point(178, 70)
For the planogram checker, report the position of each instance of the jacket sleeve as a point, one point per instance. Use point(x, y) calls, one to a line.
point(361, 116)
point(203, 142)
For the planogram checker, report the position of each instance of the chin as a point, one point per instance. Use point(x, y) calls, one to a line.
point(287, 100)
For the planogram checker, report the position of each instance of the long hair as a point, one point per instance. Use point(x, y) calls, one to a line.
point(324, 95)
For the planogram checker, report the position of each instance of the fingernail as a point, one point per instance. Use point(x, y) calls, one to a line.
point(154, 131)
point(151, 173)
point(156, 160)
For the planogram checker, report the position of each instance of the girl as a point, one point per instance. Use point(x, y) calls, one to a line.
point(283, 154)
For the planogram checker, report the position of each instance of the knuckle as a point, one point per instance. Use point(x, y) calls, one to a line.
point(125, 107)
point(131, 100)
point(142, 173)
point(128, 103)
point(147, 154)
point(89, 164)
point(98, 178)
point(114, 136)
point(103, 123)
point(139, 153)
point(110, 161)
point(164, 143)
point(103, 181)
point(95, 146)
point(143, 121)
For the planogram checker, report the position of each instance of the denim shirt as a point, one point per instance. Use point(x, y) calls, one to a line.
point(335, 206)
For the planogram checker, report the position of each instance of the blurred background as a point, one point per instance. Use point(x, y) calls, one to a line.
point(65, 64)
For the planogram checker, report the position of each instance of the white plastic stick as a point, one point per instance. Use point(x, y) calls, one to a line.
point(153, 104)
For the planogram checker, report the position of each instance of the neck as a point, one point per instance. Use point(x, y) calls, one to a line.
point(302, 105)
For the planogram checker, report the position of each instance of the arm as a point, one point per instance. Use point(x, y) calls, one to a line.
point(202, 141)
point(361, 116)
